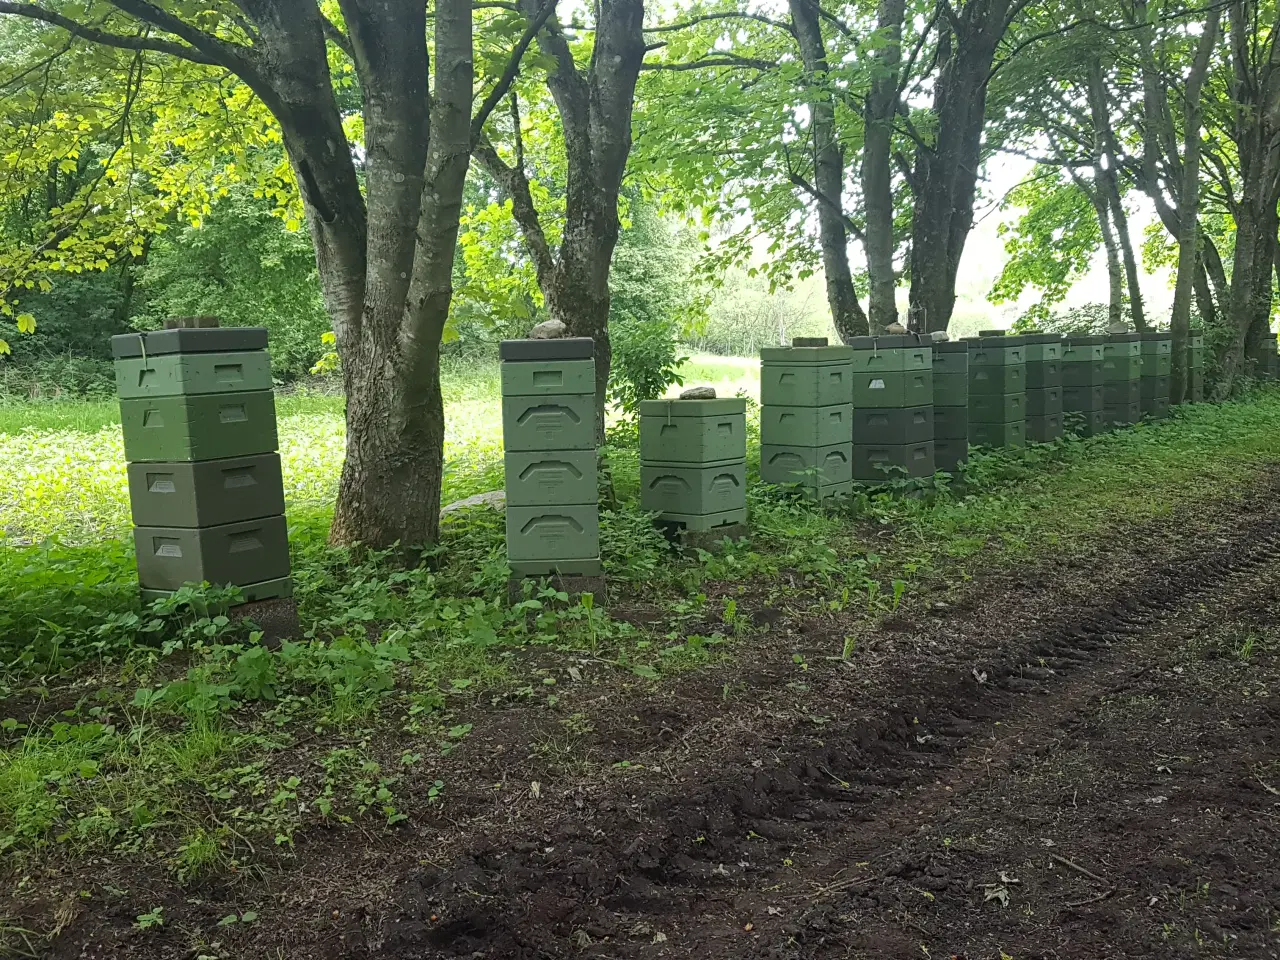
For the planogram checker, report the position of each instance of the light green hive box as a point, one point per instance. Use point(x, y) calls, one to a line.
point(950, 389)
point(547, 378)
point(203, 427)
point(543, 478)
point(806, 426)
point(997, 355)
point(994, 379)
point(1011, 434)
point(683, 490)
point(553, 533)
point(1041, 352)
point(906, 388)
point(997, 407)
point(1081, 352)
point(205, 493)
point(693, 431)
point(809, 466)
point(1156, 365)
point(556, 422)
point(1161, 348)
point(251, 551)
point(805, 376)
point(893, 360)
point(173, 374)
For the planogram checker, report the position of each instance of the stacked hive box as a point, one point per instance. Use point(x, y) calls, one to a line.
point(549, 434)
point(1082, 384)
point(1195, 366)
point(1121, 379)
point(892, 407)
point(997, 390)
point(693, 461)
point(199, 423)
point(1157, 369)
point(806, 418)
point(950, 405)
point(1044, 387)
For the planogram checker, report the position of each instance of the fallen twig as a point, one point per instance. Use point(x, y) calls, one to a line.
point(1101, 896)
point(1076, 867)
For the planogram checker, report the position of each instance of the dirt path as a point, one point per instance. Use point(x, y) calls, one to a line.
point(1079, 761)
point(1084, 767)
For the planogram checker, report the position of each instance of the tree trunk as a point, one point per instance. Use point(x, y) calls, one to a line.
point(1101, 210)
point(828, 176)
point(946, 172)
point(1189, 210)
point(877, 182)
point(1137, 310)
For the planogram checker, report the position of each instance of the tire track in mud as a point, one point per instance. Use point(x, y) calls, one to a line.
point(682, 870)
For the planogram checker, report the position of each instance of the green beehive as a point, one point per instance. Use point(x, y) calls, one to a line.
point(950, 404)
point(1045, 402)
point(911, 425)
point(1121, 357)
point(206, 493)
point(809, 426)
point(169, 375)
point(1083, 384)
point(566, 422)
point(1195, 388)
point(997, 407)
point(903, 388)
point(1011, 434)
point(545, 478)
point(997, 380)
point(700, 497)
point(881, 463)
point(205, 427)
point(693, 431)
point(703, 486)
point(248, 552)
point(1157, 369)
point(549, 435)
point(564, 538)
point(895, 353)
point(997, 389)
point(825, 469)
point(1044, 429)
point(806, 376)
point(205, 487)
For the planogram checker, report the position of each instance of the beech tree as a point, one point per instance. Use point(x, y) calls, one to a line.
point(381, 191)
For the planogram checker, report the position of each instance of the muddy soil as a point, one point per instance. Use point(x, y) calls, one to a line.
point(1079, 760)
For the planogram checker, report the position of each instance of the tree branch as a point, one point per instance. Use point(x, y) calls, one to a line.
point(723, 60)
point(855, 231)
point(731, 15)
point(336, 36)
point(513, 182)
point(97, 35)
point(230, 55)
point(509, 72)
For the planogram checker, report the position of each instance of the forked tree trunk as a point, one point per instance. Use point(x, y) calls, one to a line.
point(877, 179)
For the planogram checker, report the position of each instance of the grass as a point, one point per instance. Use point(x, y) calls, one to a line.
point(116, 716)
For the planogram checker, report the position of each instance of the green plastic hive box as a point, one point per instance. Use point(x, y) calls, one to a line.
point(893, 353)
point(1083, 398)
point(548, 477)
point(1121, 414)
point(1156, 408)
point(1116, 369)
point(156, 343)
point(950, 452)
point(205, 427)
point(806, 426)
point(1156, 365)
point(805, 384)
point(1086, 423)
point(1082, 374)
point(683, 490)
point(1158, 344)
point(808, 466)
point(546, 378)
point(206, 493)
point(705, 522)
point(1195, 358)
point(883, 463)
point(1154, 387)
point(907, 388)
point(1196, 386)
point(1046, 402)
point(1043, 347)
point(997, 379)
point(950, 358)
point(1011, 434)
point(1044, 429)
point(1122, 391)
point(252, 551)
point(1044, 373)
point(951, 389)
point(693, 431)
point(950, 423)
point(997, 408)
point(1122, 345)
point(892, 425)
point(1082, 349)
point(566, 422)
point(553, 534)
point(996, 351)
point(175, 374)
